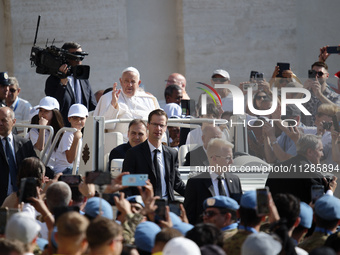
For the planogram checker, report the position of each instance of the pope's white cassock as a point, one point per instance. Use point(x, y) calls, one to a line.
point(136, 107)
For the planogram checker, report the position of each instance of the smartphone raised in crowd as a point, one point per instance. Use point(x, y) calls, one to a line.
point(174, 207)
point(70, 179)
point(262, 201)
point(317, 191)
point(98, 177)
point(160, 211)
point(333, 49)
point(134, 179)
point(282, 67)
point(28, 188)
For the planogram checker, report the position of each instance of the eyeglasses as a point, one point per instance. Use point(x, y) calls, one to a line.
point(261, 97)
point(226, 158)
point(158, 125)
point(210, 214)
point(13, 90)
point(220, 79)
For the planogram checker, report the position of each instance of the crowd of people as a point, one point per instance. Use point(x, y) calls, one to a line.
point(49, 209)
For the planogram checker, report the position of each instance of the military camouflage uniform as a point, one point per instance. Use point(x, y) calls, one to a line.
point(232, 246)
point(129, 227)
point(229, 233)
point(317, 239)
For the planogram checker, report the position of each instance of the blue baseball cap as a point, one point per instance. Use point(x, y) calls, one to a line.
point(328, 207)
point(145, 235)
point(92, 208)
point(248, 200)
point(179, 225)
point(306, 215)
point(136, 199)
point(222, 202)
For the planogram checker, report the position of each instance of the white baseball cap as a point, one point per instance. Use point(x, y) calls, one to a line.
point(23, 227)
point(78, 110)
point(222, 72)
point(48, 103)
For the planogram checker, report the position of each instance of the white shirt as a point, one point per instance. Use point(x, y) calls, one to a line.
point(160, 159)
point(11, 144)
point(227, 103)
point(215, 184)
point(21, 109)
point(173, 109)
point(61, 162)
point(136, 107)
point(195, 137)
point(33, 135)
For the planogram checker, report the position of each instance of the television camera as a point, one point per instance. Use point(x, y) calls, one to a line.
point(49, 60)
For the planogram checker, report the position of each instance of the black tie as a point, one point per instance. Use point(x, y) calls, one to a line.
point(158, 188)
point(221, 189)
point(11, 163)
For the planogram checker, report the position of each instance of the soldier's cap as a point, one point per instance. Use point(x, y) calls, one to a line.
point(328, 207)
point(306, 215)
point(4, 79)
point(221, 202)
point(248, 200)
point(136, 199)
point(145, 235)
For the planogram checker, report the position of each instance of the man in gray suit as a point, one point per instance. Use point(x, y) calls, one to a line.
point(214, 180)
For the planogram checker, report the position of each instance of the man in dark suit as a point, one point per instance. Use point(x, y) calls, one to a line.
point(303, 172)
point(68, 90)
point(161, 165)
point(198, 156)
point(13, 150)
point(136, 134)
point(214, 180)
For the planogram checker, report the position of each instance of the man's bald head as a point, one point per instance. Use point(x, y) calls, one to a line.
point(209, 132)
point(177, 79)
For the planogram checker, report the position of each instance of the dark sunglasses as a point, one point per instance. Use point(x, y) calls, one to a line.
point(13, 90)
point(209, 214)
point(220, 79)
point(261, 97)
point(313, 73)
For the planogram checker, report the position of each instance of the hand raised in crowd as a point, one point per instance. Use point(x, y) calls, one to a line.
point(167, 223)
point(335, 135)
point(331, 184)
point(183, 215)
point(323, 54)
point(88, 190)
point(116, 184)
point(122, 204)
point(50, 181)
point(115, 95)
point(273, 213)
point(292, 132)
point(146, 192)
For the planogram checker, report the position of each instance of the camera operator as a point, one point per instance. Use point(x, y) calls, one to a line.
point(70, 90)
